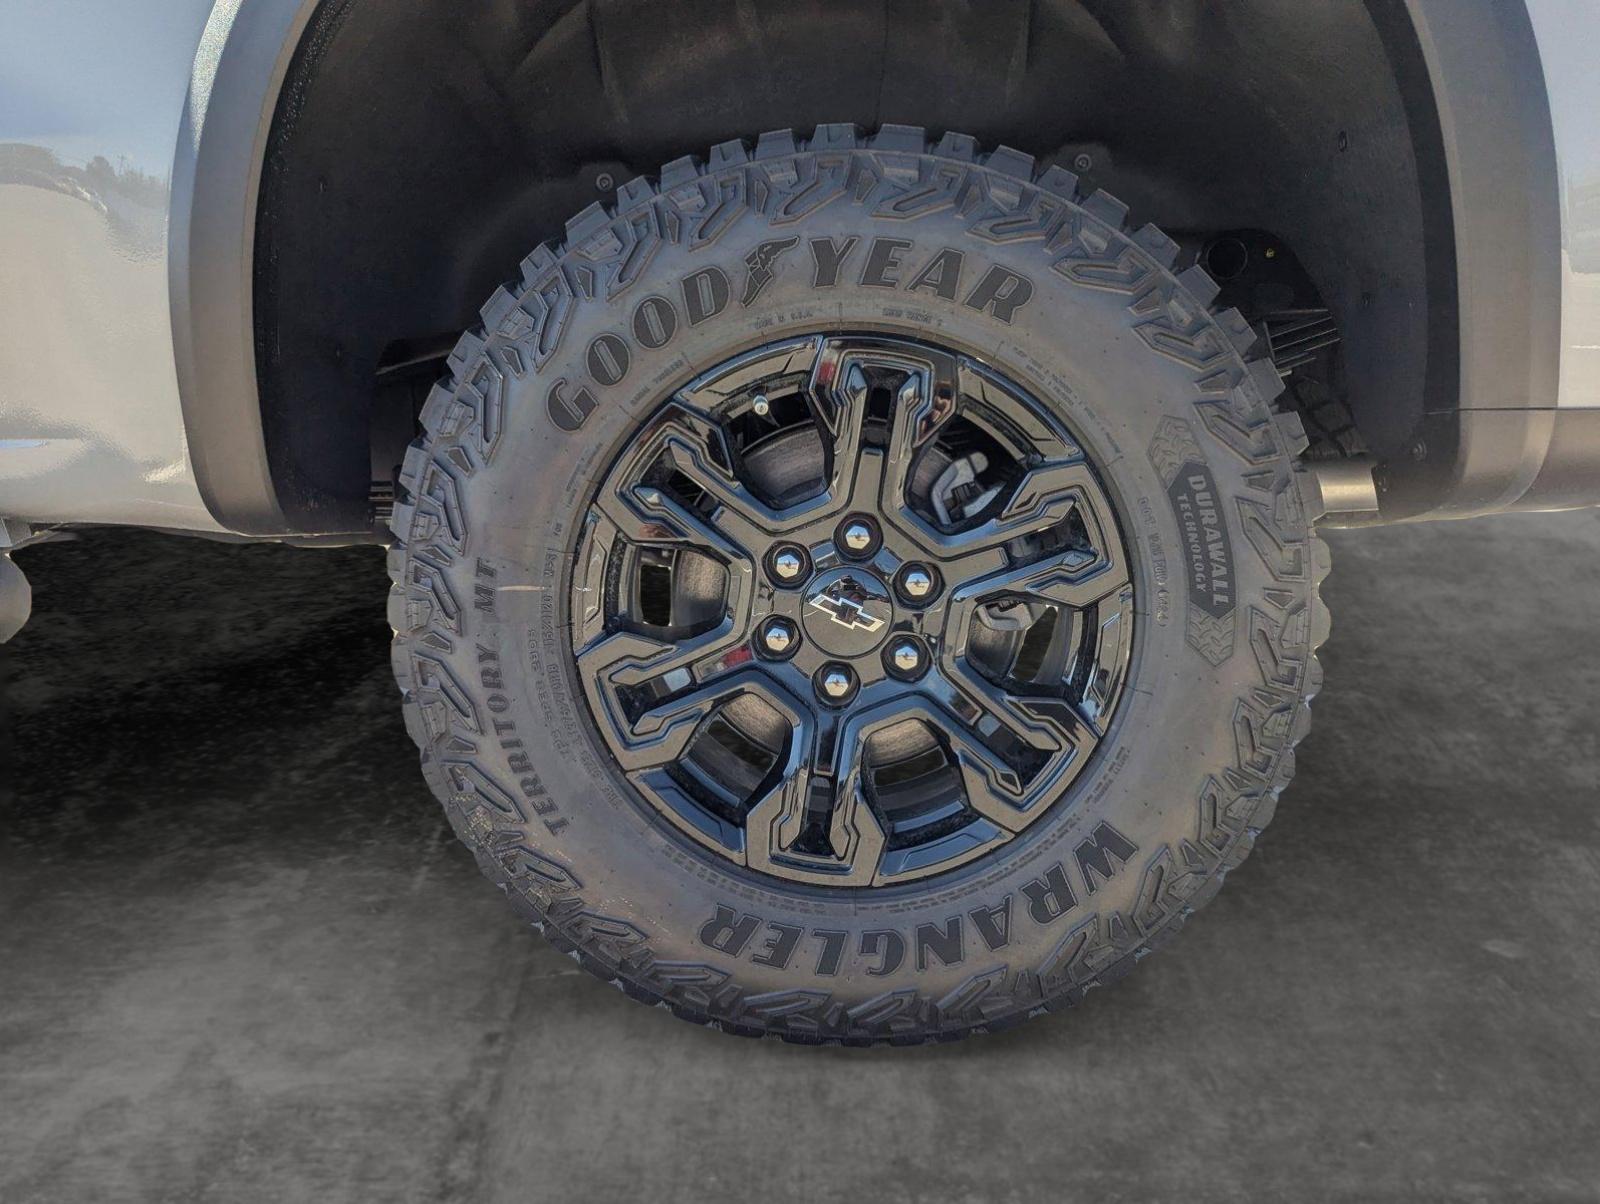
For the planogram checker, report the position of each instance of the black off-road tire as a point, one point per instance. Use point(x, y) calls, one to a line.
point(1168, 398)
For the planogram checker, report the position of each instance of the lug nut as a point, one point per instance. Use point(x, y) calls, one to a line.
point(916, 583)
point(905, 656)
point(788, 564)
point(836, 682)
point(857, 536)
point(779, 636)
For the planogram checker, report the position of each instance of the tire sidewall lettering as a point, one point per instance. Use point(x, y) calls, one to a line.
point(940, 273)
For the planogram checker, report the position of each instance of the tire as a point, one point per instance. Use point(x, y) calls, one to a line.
point(1166, 398)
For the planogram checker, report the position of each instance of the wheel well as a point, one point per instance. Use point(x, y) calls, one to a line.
point(416, 157)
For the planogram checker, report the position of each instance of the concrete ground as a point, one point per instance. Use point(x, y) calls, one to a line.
point(242, 958)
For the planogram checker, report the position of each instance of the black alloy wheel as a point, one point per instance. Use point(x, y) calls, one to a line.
point(855, 610)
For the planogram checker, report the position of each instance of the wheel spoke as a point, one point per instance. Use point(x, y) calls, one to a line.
point(838, 397)
point(697, 448)
point(1046, 496)
point(628, 660)
point(988, 709)
point(925, 402)
point(789, 362)
point(646, 516)
point(1076, 579)
point(819, 793)
point(694, 677)
point(1056, 741)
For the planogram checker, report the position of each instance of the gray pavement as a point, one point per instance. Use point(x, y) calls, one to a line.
point(242, 958)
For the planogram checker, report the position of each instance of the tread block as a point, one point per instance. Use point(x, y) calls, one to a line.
point(1106, 208)
point(588, 223)
point(1240, 333)
point(907, 139)
point(635, 192)
point(539, 263)
point(1265, 378)
point(1011, 162)
point(1157, 245)
point(728, 154)
point(776, 144)
point(496, 308)
point(1293, 431)
point(681, 171)
point(1197, 282)
point(440, 398)
point(962, 147)
point(1058, 181)
point(834, 136)
point(467, 349)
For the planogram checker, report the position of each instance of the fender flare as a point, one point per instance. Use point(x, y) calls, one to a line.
point(1490, 413)
point(239, 72)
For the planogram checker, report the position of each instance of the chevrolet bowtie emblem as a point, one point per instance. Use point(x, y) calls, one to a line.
point(847, 612)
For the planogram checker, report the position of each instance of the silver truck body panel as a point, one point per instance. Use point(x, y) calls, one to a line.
point(92, 96)
point(1566, 31)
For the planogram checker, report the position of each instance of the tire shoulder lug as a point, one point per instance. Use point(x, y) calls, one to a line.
point(1010, 161)
point(635, 192)
point(732, 153)
point(1058, 181)
point(911, 139)
point(776, 144)
point(962, 147)
point(1157, 245)
point(1264, 375)
point(835, 136)
point(1197, 282)
point(591, 221)
point(1104, 207)
point(681, 171)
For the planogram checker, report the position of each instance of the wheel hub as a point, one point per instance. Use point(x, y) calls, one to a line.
point(852, 610)
point(848, 612)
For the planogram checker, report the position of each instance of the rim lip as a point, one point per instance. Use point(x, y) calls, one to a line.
point(1023, 843)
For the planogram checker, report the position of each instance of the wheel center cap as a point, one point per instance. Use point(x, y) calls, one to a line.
point(847, 612)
